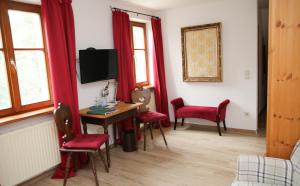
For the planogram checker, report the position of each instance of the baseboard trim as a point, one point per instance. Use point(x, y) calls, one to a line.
point(210, 127)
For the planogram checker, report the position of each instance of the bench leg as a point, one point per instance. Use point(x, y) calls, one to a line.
point(175, 123)
point(182, 122)
point(224, 124)
point(219, 130)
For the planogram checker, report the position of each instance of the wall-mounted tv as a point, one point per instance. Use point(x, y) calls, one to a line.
point(98, 64)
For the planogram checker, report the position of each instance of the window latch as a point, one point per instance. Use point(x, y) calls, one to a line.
point(13, 63)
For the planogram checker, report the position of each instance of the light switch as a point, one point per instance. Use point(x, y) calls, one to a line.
point(247, 74)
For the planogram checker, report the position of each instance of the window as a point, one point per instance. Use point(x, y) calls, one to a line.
point(139, 41)
point(24, 80)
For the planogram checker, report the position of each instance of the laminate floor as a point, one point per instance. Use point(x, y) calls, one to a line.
point(194, 157)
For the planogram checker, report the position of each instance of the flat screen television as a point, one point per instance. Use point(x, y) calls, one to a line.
point(98, 64)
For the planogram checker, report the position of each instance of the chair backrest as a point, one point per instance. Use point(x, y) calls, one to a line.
point(222, 109)
point(295, 159)
point(141, 95)
point(63, 120)
point(177, 103)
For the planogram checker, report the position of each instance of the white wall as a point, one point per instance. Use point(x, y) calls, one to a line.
point(239, 43)
point(93, 27)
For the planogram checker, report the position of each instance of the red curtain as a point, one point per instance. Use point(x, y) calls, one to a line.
point(122, 42)
point(58, 21)
point(161, 97)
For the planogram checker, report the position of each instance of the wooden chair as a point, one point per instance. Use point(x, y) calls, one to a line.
point(148, 118)
point(73, 145)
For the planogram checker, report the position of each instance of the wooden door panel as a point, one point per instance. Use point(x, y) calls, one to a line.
point(283, 120)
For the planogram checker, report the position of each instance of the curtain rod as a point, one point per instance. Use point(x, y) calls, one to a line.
point(138, 13)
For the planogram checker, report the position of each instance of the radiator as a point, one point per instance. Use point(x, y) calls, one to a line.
point(28, 152)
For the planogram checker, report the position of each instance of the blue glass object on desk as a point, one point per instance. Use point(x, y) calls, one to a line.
point(103, 102)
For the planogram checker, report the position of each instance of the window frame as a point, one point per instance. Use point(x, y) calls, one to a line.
point(9, 54)
point(143, 26)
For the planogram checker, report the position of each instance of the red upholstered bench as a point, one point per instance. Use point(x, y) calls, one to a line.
point(215, 114)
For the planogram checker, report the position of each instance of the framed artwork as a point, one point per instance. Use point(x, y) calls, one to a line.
point(201, 53)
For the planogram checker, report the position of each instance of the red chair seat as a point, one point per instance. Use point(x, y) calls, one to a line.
point(149, 116)
point(88, 141)
point(208, 113)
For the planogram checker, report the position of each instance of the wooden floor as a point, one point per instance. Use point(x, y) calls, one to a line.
point(195, 157)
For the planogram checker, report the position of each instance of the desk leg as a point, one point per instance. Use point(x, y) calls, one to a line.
point(84, 127)
point(135, 131)
point(115, 133)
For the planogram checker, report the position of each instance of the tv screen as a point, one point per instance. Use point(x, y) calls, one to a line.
point(98, 64)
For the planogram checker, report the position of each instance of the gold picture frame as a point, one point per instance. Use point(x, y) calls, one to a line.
point(201, 53)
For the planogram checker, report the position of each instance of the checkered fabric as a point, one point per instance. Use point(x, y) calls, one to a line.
point(245, 183)
point(295, 158)
point(265, 170)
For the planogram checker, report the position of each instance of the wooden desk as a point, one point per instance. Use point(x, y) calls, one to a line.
point(123, 111)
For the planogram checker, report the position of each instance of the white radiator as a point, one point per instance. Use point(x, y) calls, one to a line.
point(28, 152)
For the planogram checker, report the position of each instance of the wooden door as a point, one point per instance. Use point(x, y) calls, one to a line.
point(283, 120)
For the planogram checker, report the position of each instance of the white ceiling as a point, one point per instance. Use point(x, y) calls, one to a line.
point(164, 4)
